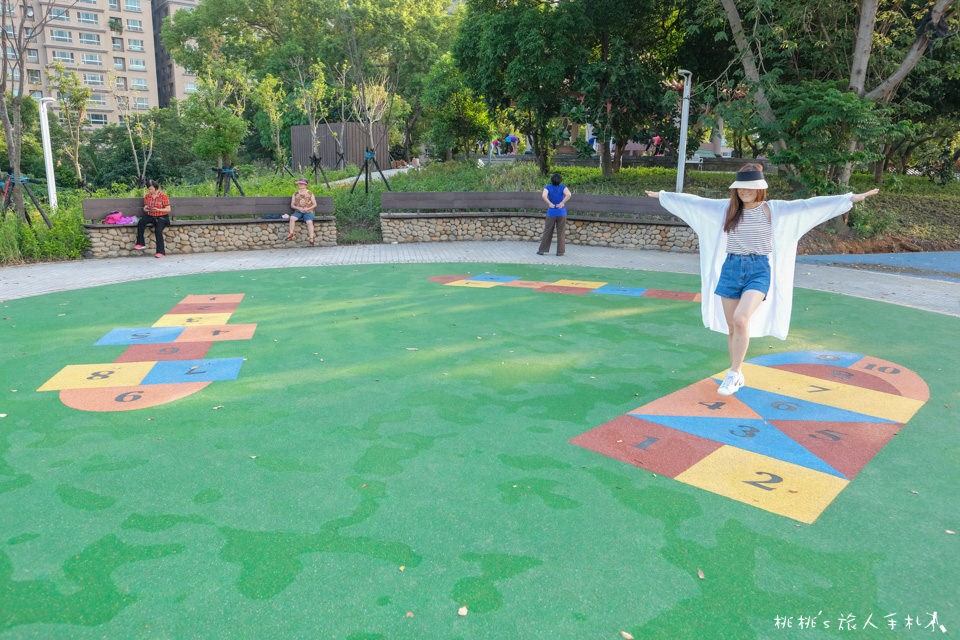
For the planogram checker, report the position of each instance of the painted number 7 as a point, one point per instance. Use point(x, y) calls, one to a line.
point(194, 370)
point(772, 479)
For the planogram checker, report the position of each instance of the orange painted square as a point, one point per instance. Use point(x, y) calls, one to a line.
point(198, 308)
point(213, 297)
point(672, 295)
point(552, 288)
point(217, 332)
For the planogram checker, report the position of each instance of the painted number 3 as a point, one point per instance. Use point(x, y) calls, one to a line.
point(772, 479)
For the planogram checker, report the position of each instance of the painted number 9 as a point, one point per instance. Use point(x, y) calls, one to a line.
point(129, 396)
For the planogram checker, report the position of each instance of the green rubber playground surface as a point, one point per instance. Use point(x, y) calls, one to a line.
point(392, 449)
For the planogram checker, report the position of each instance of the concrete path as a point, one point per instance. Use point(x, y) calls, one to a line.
point(387, 173)
point(940, 296)
point(941, 265)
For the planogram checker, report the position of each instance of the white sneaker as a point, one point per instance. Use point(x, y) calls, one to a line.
point(731, 383)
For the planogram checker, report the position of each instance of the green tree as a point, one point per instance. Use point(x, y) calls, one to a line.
point(215, 112)
point(270, 97)
point(512, 55)
point(72, 96)
point(624, 48)
point(457, 117)
point(20, 21)
point(872, 52)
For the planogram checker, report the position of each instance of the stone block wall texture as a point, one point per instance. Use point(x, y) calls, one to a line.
point(600, 232)
point(111, 241)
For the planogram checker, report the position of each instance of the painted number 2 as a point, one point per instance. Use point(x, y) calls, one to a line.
point(772, 479)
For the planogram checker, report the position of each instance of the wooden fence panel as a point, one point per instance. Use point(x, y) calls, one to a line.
point(352, 138)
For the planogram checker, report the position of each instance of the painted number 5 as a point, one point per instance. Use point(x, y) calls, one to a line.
point(772, 479)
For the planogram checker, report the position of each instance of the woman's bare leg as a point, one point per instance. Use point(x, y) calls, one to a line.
point(738, 314)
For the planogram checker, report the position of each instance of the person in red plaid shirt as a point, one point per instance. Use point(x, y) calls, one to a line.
point(156, 205)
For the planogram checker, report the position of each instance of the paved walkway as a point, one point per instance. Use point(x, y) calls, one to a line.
point(941, 265)
point(940, 296)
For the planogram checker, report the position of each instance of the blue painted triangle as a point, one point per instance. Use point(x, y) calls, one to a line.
point(831, 358)
point(775, 406)
point(758, 436)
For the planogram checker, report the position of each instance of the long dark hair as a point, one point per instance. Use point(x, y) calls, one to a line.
point(735, 208)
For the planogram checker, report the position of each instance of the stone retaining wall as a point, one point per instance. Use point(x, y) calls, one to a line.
point(111, 241)
point(581, 230)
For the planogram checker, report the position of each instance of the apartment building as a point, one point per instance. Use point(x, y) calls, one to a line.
point(173, 81)
point(109, 44)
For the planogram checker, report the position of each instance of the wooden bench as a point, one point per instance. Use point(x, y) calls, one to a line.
point(206, 224)
point(598, 220)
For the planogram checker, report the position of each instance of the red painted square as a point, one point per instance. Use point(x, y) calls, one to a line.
point(446, 279)
point(667, 452)
point(165, 351)
point(845, 446)
point(552, 288)
point(197, 308)
point(671, 295)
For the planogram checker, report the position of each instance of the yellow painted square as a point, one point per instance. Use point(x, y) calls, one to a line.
point(801, 493)
point(835, 394)
point(95, 376)
point(191, 320)
point(479, 284)
point(583, 284)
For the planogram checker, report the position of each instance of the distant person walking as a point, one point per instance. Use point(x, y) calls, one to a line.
point(556, 194)
point(302, 206)
point(156, 206)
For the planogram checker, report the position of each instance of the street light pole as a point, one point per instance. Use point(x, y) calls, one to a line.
point(47, 153)
point(684, 116)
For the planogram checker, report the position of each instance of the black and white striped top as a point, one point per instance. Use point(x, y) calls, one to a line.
point(754, 234)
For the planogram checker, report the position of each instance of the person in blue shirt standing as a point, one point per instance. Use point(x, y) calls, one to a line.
point(555, 195)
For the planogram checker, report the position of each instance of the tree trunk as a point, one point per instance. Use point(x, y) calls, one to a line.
point(618, 155)
point(408, 132)
point(863, 45)
point(750, 67)
point(606, 163)
point(540, 152)
point(716, 137)
point(885, 91)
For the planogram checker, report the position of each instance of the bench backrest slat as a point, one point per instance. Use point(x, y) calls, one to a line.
point(98, 208)
point(483, 201)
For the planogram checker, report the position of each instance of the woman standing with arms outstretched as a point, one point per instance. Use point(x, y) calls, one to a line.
point(748, 246)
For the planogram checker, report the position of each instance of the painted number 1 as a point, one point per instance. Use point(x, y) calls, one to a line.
point(772, 479)
point(646, 443)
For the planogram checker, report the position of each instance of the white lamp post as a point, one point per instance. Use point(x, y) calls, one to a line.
point(47, 153)
point(684, 115)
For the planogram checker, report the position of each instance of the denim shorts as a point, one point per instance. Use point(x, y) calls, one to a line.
point(301, 215)
point(743, 272)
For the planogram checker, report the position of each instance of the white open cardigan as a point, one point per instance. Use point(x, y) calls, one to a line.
point(790, 220)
